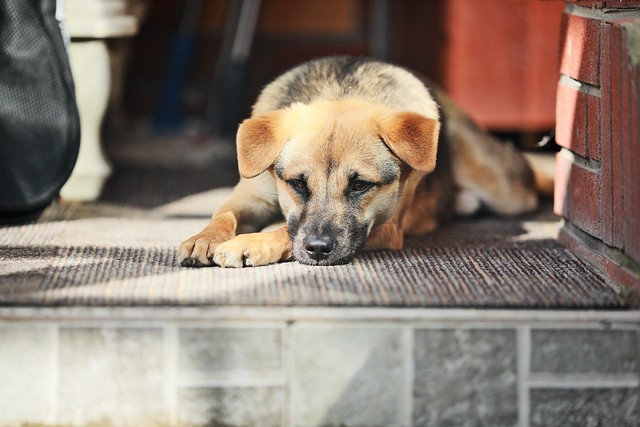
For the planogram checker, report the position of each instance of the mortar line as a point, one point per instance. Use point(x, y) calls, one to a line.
point(170, 350)
point(577, 382)
point(406, 403)
point(54, 368)
point(288, 368)
point(583, 11)
point(524, 361)
point(232, 382)
point(584, 87)
point(368, 315)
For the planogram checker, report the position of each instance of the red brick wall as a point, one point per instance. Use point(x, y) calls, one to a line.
point(597, 123)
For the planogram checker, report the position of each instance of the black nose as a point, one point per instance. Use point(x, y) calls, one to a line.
point(319, 247)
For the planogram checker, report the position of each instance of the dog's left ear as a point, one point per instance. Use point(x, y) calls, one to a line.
point(413, 138)
point(258, 142)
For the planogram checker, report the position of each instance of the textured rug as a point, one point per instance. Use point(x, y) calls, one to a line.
point(115, 254)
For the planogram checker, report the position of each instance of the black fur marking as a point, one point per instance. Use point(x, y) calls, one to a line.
point(339, 69)
point(293, 222)
point(279, 170)
point(389, 173)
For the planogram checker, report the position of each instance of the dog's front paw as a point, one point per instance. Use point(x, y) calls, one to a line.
point(198, 251)
point(253, 250)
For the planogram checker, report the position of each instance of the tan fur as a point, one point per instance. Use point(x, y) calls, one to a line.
point(543, 166)
point(254, 249)
point(348, 152)
point(413, 138)
point(497, 174)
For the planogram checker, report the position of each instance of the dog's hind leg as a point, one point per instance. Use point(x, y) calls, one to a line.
point(487, 172)
point(491, 174)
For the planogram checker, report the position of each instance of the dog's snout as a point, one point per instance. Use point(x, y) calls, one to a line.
point(319, 247)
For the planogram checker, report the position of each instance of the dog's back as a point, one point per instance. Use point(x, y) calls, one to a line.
point(343, 77)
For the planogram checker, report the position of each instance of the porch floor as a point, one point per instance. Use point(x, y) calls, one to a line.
point(99, 325)
point(121, 251)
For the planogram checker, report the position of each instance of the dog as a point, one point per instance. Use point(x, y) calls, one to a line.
point(354, 154)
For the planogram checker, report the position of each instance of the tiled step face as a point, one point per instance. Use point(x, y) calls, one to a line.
point(465, 377)
point(492, 367)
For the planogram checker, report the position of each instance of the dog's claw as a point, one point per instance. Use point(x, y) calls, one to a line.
point(196, 252)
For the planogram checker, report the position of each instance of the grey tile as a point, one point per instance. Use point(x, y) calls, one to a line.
point(25, 374)
point(346, 376)
point(584, 407)
point(231, 407)
point(465, 378)
point(234, 348)
point(577, 350)
point(111, 375)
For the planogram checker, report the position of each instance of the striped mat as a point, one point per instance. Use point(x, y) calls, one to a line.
point(112, 255)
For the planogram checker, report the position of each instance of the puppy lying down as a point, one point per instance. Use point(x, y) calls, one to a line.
point(351, 154)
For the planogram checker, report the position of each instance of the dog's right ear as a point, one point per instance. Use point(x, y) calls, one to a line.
point(413, 138)
point(259, 142)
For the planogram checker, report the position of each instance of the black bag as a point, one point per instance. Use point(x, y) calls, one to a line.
point(39, 120)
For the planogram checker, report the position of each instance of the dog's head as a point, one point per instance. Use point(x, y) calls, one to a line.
point(340, 168)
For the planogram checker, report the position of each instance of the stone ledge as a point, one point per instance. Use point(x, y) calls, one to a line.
point(316, 366)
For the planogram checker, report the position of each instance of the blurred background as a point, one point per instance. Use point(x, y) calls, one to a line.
point(498, 59)
point(188, 77)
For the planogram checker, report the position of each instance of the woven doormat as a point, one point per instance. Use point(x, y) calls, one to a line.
point(108, 255)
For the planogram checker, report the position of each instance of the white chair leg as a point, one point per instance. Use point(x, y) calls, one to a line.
point(92, 77)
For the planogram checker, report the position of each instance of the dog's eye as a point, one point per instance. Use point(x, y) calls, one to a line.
point(360, 186)
point(297, 184)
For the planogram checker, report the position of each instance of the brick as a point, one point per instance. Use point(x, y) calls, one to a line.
point(571, 119)
point(617, 137)
point(620, 138)
point(632, 244)
point(607, 69)
point(580, 51)
point(586, 201)
point(594, 127)
point(578, 119)
point(578, 194)
point(630, 112)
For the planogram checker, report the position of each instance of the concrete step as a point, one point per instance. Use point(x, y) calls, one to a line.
point(306, 366)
